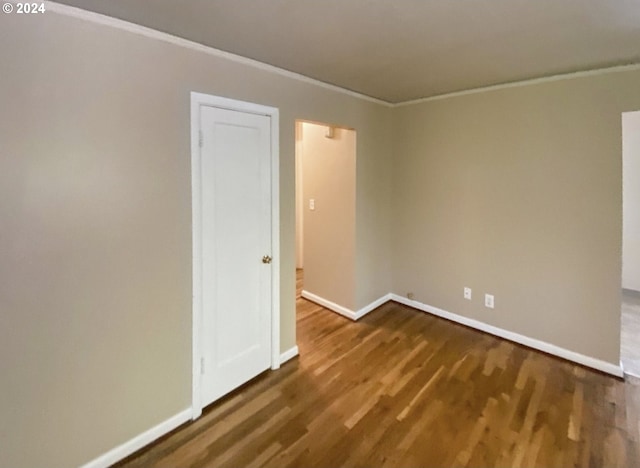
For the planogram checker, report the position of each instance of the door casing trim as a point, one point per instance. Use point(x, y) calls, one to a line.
point(198, 100)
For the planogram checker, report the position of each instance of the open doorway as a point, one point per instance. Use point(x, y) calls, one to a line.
point(325, 213)
point(630, 320)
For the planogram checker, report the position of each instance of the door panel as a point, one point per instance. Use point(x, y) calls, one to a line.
point(236, 234)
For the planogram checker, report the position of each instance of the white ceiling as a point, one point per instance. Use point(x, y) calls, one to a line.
point(399, 50)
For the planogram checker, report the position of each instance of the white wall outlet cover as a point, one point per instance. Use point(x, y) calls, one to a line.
point(489, 301)
point(467, 293)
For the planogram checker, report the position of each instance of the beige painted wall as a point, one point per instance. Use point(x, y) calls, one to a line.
point(329, 178)
point(373, 208)
point(95, 226)
point(517, 192)
point(631, 201)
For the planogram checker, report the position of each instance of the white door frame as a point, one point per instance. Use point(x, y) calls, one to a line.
point(299, 158)
point(198, 100)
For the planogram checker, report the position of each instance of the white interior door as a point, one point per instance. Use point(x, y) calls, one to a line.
point(235, 167)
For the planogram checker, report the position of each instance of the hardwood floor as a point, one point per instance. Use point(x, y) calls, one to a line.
point(630, 336)
point(401, 388)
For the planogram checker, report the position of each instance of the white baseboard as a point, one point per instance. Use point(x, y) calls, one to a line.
point(288, 354)
point(122, 451)
point(563, 353)
point(374, 305)
point(534, 343)
point(350, 314)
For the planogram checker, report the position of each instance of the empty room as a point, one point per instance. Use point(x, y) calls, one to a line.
point(319, 233)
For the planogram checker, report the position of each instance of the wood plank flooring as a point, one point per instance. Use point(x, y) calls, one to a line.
point(401, 388)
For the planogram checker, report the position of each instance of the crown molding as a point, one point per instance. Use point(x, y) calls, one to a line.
point(97, 18)
point(515, 84)
point(123, 25)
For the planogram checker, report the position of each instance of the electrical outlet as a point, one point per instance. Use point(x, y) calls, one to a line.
point(312, 204)
point(467, 293)
point(488, 301)
point(410, 296)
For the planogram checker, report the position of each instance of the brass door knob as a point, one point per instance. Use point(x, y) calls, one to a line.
point(266, 259)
